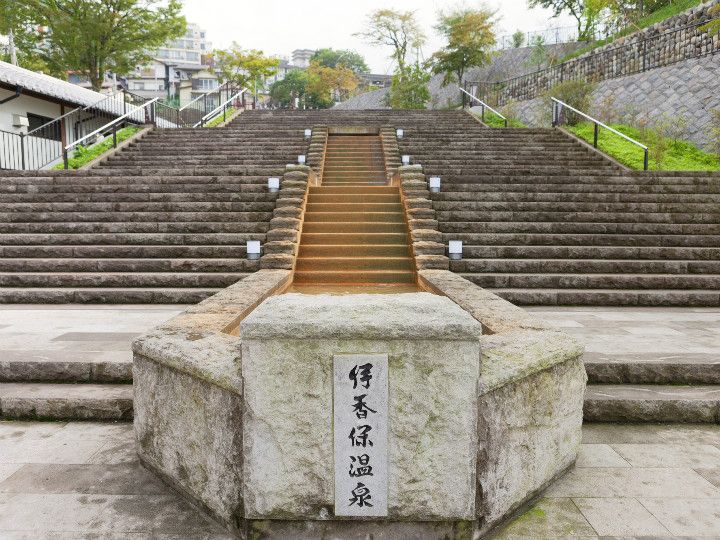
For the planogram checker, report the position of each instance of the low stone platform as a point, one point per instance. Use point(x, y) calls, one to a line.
point(71, 481)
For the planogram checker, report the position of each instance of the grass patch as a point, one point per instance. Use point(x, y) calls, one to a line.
point(681, 155)
point(84, 155)
point(494, 121)
point(655, 17)
point(219, 118)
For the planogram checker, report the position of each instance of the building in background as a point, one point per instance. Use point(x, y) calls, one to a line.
point(301, 58)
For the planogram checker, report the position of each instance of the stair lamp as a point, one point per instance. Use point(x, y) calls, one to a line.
point(308, 133)
point(301, 159)
point(400, 133)
point(434, 184)
point(406, 160)
point(253, 250)
point(273, 184)
point(455, 249)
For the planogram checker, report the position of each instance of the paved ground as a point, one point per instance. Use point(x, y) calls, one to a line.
point(641, 334)
point(82, 480)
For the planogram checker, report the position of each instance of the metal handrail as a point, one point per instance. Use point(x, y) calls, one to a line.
point(110, 124)
point(484, 106)
point(221, 107)
point(218, 89)
point(558, 105)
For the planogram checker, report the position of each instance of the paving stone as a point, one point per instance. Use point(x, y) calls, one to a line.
point(711, 475)
point(651, 434)
point(549, 518)
point(619, 516)
point(599, 455)
point(686, 516)
point(624, 482)
point(666, 455)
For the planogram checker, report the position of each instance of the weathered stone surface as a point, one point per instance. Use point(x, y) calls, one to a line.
point(530, 433)
point(278, 260)
point(288, 346)
point(435, 262)
point(186, 430)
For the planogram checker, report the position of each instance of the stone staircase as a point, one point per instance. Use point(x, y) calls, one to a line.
point(544, 221)
point(354, 230)
point(164, 221)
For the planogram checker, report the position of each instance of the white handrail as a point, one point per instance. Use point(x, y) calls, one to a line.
point(110, 124)
point(218, 89)
point(598, 122)
point(484, 104)
point(214, 112)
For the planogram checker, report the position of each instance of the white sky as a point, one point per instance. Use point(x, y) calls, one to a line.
point(279, 26)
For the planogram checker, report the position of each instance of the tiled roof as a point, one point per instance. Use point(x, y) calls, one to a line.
point(48, 86)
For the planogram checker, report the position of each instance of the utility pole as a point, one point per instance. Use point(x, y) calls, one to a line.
point(11, 47)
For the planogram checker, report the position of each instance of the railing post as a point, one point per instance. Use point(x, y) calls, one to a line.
point(114, 135)
point(646, 164)
point(22, 150)
point(65, 158)
point(595, 135)
point(482, 114)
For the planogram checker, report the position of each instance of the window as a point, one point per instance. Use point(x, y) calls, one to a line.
point(51, 132)
point(206, 84)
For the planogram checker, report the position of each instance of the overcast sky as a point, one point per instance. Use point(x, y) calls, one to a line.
point(279, 26)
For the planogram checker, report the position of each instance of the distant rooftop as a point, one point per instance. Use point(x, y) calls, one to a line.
point(47, 86)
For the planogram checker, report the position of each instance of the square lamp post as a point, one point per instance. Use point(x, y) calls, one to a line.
point(308, 133)
point(455, 249)
point(434, 184)
point(302, 159)
point(406, 160)
point(273, 184)
point(400, 133)
point(253, 250)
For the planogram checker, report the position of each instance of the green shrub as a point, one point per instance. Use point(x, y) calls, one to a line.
point(84, 155)
point(576, 94)
point(715, 131)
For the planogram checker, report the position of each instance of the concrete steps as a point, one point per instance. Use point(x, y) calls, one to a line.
point(354, 229)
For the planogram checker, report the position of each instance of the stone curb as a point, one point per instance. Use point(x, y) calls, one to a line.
point(113, 151)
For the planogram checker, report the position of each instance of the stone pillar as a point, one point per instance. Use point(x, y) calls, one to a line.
point(288, 346)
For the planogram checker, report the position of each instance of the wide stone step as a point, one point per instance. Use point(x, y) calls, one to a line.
point(652, 368)
point(79, 264)
point(353, 238)
point(148, 251)
point(578, 227)
point(119, 279)
point(66, 366)
point(353, 250)
point(652, 403)
point(354, 227)
point(122, 217)
point(590, 265)
point(65, 402)
point(106, 295)
point(571, 280)
point(591, 250)
point(525, 296)
point(364, 276)
point(360, 262)
point(139, 234)
point(560, 241)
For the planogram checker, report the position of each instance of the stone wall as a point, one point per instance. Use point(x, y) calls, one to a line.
point(687, 90)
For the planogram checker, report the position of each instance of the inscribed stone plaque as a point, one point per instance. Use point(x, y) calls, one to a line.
point(360, 403)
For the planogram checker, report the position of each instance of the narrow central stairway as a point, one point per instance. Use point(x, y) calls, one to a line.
point(354, 231)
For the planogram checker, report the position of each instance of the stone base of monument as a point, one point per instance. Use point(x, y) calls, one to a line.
point(404, 416)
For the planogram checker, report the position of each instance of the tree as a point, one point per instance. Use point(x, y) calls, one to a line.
point(470, 39)
point(15, 20)
point(518, 39)
point(93, 37)
point(327, 85)
point(245, 68)
point(396, 29)
point(585, 12)
point(293, 86)
point(538, 52)
point(332, 58)
point(409, 90)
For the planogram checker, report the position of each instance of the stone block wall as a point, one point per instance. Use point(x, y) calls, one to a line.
point(689, 90)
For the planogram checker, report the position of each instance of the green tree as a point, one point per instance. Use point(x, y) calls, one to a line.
point(518, 39)
point(93, 37)
point(470, 39)
point(332, 58)
point(409, 90)
point(538, 52)
point(15, 23)
point(585, 12)
point(293, 86)
point(396, 29)
point(245, 68)
point(327, 85)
